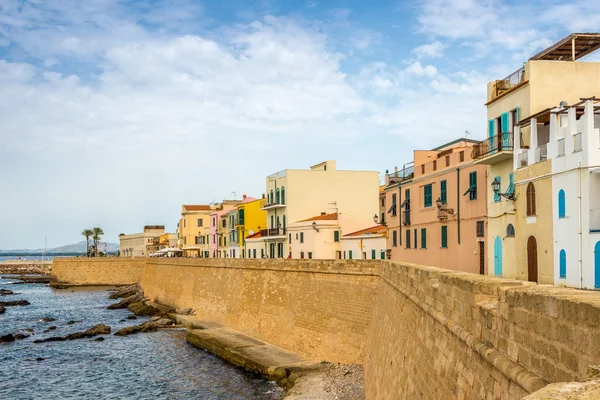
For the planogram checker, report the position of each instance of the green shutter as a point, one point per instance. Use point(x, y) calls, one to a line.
point(416, 245)
point(444, 237)
point(423, 238)
point(408, 238)
point(427, 195)
point(373, 254)
point(382, 255)
point(443, 195)
point(301, 237)
point(473, 186)
point(336, 236)
point(350, 254)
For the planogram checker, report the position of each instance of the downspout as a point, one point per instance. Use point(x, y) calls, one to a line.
point(458, 202)
point(580, 229)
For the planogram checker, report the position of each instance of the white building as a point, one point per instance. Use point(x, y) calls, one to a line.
point(366, 244)
point(573, 146)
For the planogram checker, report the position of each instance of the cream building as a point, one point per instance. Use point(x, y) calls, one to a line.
point(136, 244)
point(545, 80)
point(295, 195)
point(365, 244)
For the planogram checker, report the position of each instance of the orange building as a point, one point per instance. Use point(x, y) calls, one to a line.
point(437, 209)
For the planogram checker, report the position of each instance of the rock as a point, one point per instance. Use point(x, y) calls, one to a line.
point(130, 330)
point(40, 359)
point(45, 331)
point(51, 339)
point(132, 317)
point(122, 320)
point(134, 298)
point(21, 335)
point(72, 322)
point(48, 319)
point(28, 330)
point(7, 338)
point(186, 311)
point(154, 319)
point(76, 335)
point(52, 328)
point(14, 303)
point(99, 329)
point(99, 339)
point(162, 322)
point(60, 286)
point(140, 308)
point(126, 292)
point(5, 292)
point(2, 309)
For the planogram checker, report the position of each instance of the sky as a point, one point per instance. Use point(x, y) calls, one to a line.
point(115, 113)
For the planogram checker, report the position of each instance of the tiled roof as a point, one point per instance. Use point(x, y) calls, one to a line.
point(322, 217)
point(199, 207)
point(254, 236)
point(374, 230)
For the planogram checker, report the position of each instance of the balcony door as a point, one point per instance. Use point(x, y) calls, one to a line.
point(532, 262)
point(271, 250)
point(498, 256)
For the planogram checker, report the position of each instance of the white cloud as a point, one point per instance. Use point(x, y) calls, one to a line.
point(430, 50)
point(421, 70)
point(457, 18)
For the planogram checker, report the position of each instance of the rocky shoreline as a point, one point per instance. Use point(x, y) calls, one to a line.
point(25, 267)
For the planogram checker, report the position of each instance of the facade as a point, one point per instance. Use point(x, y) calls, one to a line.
point(191, 228)
point(136, 244)
point(365, 244)
point(216, 233)
point(166, 240)
point(233, 239)
point(545, 80)
point(250, 220)
point(437, 209)
point(320, 237)
point(561, 195)
point(295, 195)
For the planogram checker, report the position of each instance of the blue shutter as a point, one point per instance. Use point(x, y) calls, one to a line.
point(504, 119)
point(491, 135)
point(563, 264)
point(497, 194)
point(561, 204)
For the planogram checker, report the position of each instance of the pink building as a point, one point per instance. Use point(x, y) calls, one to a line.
point(215, 232)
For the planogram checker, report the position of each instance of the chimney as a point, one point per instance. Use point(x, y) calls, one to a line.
point(263, 196)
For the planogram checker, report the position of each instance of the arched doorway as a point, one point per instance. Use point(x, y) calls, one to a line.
point(532, 263)
point(597, 266)
point(498, 256)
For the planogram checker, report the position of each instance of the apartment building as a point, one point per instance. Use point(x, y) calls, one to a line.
point(295, 195)
point(545, 80)
point(138, 244)
point(437, 209)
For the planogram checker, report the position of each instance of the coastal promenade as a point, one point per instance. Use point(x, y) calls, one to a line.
point(419, 332)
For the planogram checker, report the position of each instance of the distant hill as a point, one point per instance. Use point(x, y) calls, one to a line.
point(70, 248)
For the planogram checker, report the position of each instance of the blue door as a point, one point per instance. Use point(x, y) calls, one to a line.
point(498, 256)
point(597, 266)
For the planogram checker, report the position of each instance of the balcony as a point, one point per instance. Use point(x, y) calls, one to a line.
point(523, 159)
point(561, 147)
point(541, 153)
point(272, 206)
point(578, 144)
point(406, 173)
point(493, 150)
point(507, 84)
point(273, 232)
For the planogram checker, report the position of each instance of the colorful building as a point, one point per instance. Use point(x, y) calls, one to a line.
point(190, 230)
point(437, 209)
point(294, 195)
point(250, 220)
point(141, 244)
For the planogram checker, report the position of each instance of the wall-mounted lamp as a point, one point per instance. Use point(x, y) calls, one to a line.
point(496, 189)
point(440, 206)
point(314, 226)
point(375, 218)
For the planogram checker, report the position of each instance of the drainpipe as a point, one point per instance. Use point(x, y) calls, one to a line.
point(458, 202)
point(580, 229)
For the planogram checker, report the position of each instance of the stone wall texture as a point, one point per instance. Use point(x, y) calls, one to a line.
point(421, 332)
point(97, 271)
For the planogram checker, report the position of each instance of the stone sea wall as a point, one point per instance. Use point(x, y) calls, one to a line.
point(420, 332)
point(97, 271)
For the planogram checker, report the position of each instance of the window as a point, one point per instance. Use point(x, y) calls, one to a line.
point(423, 169)
point(427, 196)
point(444, 237)
point(373, 255)
point(382, 202)
point(510, 230)
point(310, 255)
point(415, 244)
point(472, 190)
point(224, 241)
point(301, 237)
point(443, 193)
point(382, 255)
point(480, 229)
point(408, 238)
point(338, 255)
point(530, 199)
point(301, 254)
point(278, 223)
point(395, 238)
point(220, 241)
point(563, 264)
point(272, 222)
point(336, 236)
point(434, 165)
point(344, 254)
point(447, 161)
point(254, 253)
point(423, 238)
point(277, 198)
point(561, 204)
point(284, 222)
point(262, 253)
point(511, 184)
point(497, 196)
point(241, 216)
point(271, 202)
point(350, 254)
point(461, 156)
point(282, 195)
point(184, 223)
point(214, 222)
point(197, 240)
point(224, 222)
point(290, 238)
point(200, 222)
point(393, 207)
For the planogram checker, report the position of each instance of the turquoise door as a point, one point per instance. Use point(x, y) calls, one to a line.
point(498, 256)
point(597, 266)
point(505, 132)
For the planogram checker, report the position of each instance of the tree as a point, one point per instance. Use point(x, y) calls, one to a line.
point(96, 237)
point(87, 233)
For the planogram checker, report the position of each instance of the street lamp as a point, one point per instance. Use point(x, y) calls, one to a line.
point(496, 189)
point(440, 206)
point(314, 226)
point(375, 218)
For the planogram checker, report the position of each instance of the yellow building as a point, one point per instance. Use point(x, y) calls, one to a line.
point(190, 232)
point(141, 244)
point(250, 219)
point(545, 80)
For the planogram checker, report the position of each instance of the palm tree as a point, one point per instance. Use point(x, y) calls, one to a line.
point(87, 233)
point(97, 232)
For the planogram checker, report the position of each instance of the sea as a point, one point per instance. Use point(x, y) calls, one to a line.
point(156, 365)
point(31, 258)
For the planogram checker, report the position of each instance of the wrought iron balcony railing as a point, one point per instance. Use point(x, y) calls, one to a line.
point(273, 232)
point(497, 143)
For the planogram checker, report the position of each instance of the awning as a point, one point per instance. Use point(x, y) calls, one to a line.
point(571, 48)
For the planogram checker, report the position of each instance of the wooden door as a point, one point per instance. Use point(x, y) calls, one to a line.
point(482, 258)
point(532, 262)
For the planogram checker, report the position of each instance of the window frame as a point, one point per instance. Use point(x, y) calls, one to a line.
point(530, 199)
point(444, 238)
point(428, 197)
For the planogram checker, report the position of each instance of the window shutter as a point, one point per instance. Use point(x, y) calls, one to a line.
point(491, 128)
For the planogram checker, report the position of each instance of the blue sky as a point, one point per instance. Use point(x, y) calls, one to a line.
point(114, 113)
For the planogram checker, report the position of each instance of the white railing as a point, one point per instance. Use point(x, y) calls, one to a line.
point(541, 153)
point(523, 159)
point(561, 147)
point(578, 143)
point(595, 219)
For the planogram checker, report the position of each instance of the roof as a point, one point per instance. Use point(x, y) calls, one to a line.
point(254, 236)
point(220, 213)
point(374, 230)
point(198, 207)
point(454, 142)
point(322, 217)
point(571, 48)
